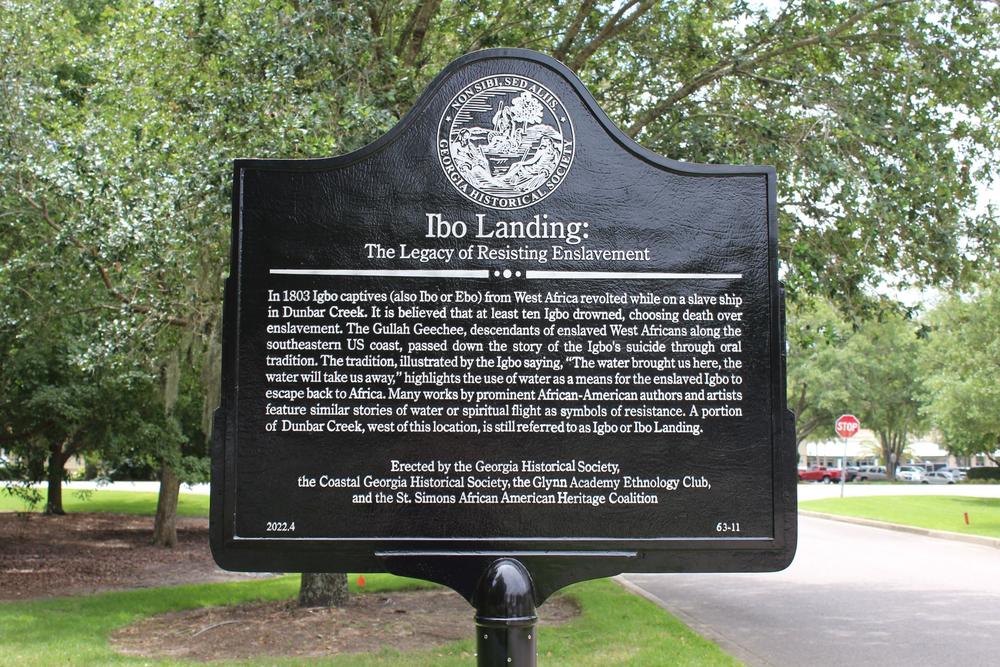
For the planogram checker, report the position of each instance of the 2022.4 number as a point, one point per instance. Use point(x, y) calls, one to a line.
point(280, 527)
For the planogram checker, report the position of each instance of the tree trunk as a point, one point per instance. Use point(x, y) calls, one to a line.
point(888, 456)
point(165, 524)
point(57, 459)
point(323, 590)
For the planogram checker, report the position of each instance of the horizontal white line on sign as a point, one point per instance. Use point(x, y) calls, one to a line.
point(621, 538)
point(626, 275)
point(384, 273)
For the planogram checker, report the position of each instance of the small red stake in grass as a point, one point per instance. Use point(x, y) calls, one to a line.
point(966, 518)
point(361, 579)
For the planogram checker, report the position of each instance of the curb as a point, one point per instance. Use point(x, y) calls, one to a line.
point(926, 532)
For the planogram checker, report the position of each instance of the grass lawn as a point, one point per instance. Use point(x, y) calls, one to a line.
point(124, 502)
point(615, 628)
point(934, 512)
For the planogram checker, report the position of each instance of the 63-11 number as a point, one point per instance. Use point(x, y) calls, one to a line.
point(727, 527)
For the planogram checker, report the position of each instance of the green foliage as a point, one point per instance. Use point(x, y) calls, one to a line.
point(870, 369)
point(817, 336)
point(962, 363)
point(882, 380)
point(54, 404)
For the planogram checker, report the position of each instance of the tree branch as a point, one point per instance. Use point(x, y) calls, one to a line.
point(804, 429)
point(378, 28)
point(765, 79)
point(729, 65)
point(8, 438)
point(94, 256)
point(614, 26)
point(712, 114)
point(496, 26)
point(411, 40)
point(574, 29)
point(404, 34)
point(800, 404)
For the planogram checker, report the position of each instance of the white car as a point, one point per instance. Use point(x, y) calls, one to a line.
point(939, 477)
point(912, 475)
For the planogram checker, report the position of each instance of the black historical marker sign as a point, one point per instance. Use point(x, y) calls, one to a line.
point(503, 328)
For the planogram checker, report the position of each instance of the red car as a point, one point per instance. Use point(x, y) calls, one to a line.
point(819, 474)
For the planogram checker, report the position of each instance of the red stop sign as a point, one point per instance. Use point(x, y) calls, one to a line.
point(847, 426)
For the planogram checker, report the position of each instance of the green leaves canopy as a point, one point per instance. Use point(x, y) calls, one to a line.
point(817, 339)
point(962, 363)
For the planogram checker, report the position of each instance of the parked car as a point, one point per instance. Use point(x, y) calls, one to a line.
point(819, 474)
point(911, 474)
point(957, 474)
point(872, 474)
point(939, 477)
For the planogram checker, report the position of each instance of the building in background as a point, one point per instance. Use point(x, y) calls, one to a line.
point(864, 449)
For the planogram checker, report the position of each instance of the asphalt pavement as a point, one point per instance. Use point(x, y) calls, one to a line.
point(853, 596)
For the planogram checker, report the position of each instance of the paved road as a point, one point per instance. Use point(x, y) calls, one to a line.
point(149, 487)
point(853, 596)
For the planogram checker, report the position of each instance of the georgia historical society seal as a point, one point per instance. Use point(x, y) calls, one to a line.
point(505, 142)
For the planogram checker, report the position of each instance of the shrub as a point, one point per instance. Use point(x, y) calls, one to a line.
point(984, 473)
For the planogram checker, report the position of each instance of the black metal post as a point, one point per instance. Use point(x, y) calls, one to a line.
point(505, 616)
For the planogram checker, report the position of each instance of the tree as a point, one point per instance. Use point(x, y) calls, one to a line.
point(323, 590)
point(855, 104)
point(49, 415)
point(881, 380)
point(817, 338)
point(962, 361)
point(868, 368)
point(54, 405)
point(58, 399)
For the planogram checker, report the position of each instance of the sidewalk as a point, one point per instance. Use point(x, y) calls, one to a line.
point(147, 487)
point(816, 491)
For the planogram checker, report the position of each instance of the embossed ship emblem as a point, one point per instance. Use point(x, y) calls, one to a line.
point(505, 142)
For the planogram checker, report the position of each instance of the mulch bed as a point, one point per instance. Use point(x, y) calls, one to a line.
point(80, 553)
point(372, 622)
